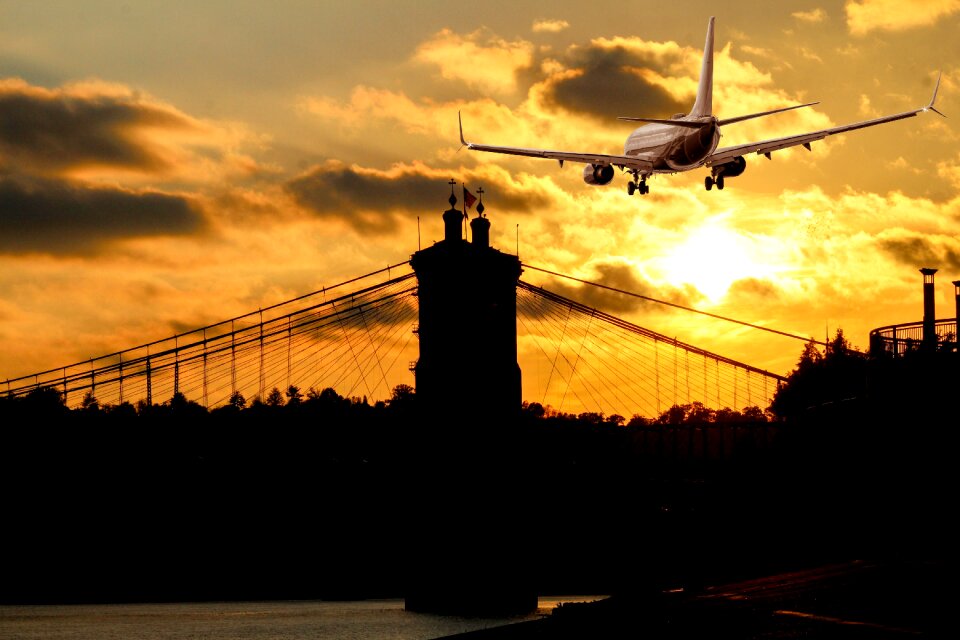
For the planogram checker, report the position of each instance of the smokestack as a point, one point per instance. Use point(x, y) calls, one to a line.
point(929, 312)
point(956, 322)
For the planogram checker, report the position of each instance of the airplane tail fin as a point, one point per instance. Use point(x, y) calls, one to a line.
point(704, 103)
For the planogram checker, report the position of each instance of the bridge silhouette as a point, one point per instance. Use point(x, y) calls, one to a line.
point(360, 338)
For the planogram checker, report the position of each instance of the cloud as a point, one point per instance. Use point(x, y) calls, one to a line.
point(618, 275)
point(372, 201)
point(550, 26)
point(611, 77)
point(95, 129)
point(810, 55)
point(756, 51)
point(813, 16)
point(479, 60)
point(51, 131)
point(606, 84)
point(864, 16)
point(367, 103)
point(916, 250)
point(950, 171)
point(752, 288)
point(40, 215)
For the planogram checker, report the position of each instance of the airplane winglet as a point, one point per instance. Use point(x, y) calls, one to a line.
point(463, 142)
point(930, 106)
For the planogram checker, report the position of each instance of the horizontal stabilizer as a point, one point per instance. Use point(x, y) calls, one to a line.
point(764, 113)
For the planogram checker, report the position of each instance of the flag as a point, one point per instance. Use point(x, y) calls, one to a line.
point(468, 199)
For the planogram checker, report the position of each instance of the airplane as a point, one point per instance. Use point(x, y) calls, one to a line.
point(687, 141)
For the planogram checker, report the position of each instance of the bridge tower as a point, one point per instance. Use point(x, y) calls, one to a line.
point(468, 326)
point(470, 546)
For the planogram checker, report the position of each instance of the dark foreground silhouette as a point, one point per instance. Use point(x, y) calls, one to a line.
point(328, 497)
point(856, 599)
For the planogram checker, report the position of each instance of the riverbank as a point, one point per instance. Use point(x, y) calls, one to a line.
point(855, 599)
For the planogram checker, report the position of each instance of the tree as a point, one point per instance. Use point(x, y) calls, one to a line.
point(809, 356)
point(402, 398)
point(533, 409)
point(637, 420)
point(753, 414)
point(90, 402)
point(402, 392)
point(274, 398)
point(818, 381)
point(237, 400)
point(674, 415)
point(294, 396)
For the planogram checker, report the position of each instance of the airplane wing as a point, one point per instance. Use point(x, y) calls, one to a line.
point(766, 147)
point(629, 162)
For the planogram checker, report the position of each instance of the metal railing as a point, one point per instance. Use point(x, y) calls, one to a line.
point(899, 339)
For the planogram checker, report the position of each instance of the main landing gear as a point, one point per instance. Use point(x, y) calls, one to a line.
point(638, 184)
point(709, 181)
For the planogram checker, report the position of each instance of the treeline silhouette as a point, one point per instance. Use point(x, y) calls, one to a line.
point(308, 494)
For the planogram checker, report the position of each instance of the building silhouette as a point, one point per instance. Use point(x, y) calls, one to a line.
point(468, 325)
point(471, 540)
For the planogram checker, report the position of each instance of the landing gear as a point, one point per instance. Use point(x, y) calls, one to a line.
point(640, 185)
point(709, 181)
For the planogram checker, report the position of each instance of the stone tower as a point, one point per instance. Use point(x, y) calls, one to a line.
point(468, 325)
point(470, 544)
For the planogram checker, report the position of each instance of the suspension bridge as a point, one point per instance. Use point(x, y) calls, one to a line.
point(359, 338)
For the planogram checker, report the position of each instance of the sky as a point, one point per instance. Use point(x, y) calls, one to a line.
point(167, 165)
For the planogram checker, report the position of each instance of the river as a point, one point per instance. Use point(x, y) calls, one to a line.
point(286, 620)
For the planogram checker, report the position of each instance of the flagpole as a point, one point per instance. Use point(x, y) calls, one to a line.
point(463, 186)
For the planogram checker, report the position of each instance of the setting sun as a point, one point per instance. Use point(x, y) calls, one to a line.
point(712, 258)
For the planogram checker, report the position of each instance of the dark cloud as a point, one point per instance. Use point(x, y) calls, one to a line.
point(48, 132)
point(371, 202)
point(618, 276)
point(40, 215)
point(607, 88)
point(921, 252)
point(753, 287)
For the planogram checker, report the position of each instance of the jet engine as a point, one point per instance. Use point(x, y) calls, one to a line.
point(598, 174)
point(731, 169)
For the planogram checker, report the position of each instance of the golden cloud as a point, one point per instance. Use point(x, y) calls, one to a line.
point(481, 61)
point(812, 16)
point(950, 171)
point(864, 16)
point(550, 26)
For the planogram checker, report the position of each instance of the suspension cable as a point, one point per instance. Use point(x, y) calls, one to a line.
point(678, 306)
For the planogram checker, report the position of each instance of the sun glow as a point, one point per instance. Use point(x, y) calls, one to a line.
point(712, 258)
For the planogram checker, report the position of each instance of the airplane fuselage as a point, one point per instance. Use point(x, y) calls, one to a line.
point(673, 148)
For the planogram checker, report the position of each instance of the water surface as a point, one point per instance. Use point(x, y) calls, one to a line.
point(286, 620)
